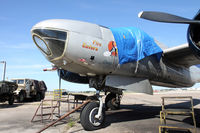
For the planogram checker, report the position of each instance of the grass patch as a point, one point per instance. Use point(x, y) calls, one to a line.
point(71, 123)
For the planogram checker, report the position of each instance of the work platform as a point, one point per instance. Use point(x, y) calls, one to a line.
point(50, 109)
point(178, 125)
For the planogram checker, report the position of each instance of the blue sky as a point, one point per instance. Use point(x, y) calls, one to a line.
point(17, 17)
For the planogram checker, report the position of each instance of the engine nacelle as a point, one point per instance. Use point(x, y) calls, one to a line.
point(72, 77)
point(193, 36)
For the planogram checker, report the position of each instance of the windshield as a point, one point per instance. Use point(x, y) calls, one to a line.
point(20, 82)
point(15, 81)
point(51, 34)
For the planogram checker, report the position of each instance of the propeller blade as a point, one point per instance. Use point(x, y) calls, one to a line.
point(165, 17)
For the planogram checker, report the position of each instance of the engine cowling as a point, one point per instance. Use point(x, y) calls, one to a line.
point(72, 77)
point(193, 36)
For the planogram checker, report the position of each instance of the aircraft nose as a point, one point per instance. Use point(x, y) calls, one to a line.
point(50, 42)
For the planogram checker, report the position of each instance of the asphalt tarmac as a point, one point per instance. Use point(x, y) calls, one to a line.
point(139, 113)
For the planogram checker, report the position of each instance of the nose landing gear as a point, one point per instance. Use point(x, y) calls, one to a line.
point(93, 115)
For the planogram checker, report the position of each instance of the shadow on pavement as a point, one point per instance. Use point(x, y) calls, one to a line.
point(142, 112)
point(16, 104)
point(6, 105)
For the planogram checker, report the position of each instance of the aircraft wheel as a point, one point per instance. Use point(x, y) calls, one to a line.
point(111, 102)
point(87, 117)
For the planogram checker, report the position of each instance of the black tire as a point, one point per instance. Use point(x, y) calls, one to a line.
point(21, 97)
point(111, 102)
point(87, 117)
point(42, 95)
point(11, 100)
point(38, 97)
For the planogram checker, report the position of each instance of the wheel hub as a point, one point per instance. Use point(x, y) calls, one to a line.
point(94, 121)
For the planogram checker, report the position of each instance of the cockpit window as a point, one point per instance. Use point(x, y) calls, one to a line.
point(51, 33)
point(51, 42)
point(41, 44)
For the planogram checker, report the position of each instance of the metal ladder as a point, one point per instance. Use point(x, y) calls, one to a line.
point(65, 115)
point(44, 106)
point(177, 111)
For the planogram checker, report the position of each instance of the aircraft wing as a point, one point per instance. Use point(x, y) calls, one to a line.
point(181, 55)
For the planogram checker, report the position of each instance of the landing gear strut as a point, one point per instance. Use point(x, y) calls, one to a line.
point(112, 101)
point(93, 115)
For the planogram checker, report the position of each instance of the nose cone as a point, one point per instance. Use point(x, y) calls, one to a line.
point(50, 42)
point(53, 23)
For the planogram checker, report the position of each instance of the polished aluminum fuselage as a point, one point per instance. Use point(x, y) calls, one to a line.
point(86, 53)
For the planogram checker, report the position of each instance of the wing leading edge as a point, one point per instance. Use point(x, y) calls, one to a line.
point(181, 55)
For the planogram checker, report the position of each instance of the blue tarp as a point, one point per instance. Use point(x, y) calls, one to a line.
point(134, 44)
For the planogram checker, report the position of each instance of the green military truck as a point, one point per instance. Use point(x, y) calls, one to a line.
point(29, 89)
point(6, 91)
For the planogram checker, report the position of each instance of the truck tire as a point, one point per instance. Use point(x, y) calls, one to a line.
point(38, 97)
point(11, 100)
point(42, 95)
point(21, 97)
